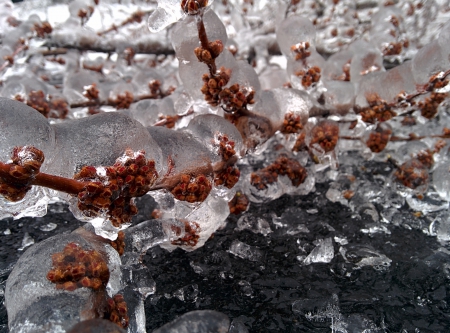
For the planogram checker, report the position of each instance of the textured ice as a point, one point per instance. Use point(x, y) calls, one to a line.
point(322, 253)
point(141, 237)
point(200, 321)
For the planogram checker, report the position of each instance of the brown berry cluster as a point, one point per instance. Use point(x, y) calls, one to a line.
point(227, 177)
point(191, 236)
point(325, 134)
point(235, 98)
point(292, 123)
point(117, 311)
point(192, 189)
point(226, 147)
point(301, 50)
point(43, 29)
point(378, 139)
point(91, 92)
point(310, 76)
point(429, 107)
point(123, 101)
point(299, 144)
point(192, 7)
point(392, 48)
point(207, 56)
point(238, 204)
point(26, 163)
point(412, 174)
point(378, 110)
point(75, 268)
point(38, 101)
point(119, 243)
point(131, 176)
point(213, 85)
point(283, 166)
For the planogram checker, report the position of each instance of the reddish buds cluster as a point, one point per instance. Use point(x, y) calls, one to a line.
point(192, 189)
point(283, 166)
point(117, 311)
point(192, 7)
point(325, 134)
point(191, 236)
point(301, 50)
point(292, 123)
point(131, 176)
point(75, 268)
point(208, 55)
point(26, 163)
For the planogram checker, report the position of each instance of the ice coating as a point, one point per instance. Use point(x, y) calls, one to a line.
point(207, 128)
point(181, 151)
point(21, 125)
point(98, 141)
point(294, 30)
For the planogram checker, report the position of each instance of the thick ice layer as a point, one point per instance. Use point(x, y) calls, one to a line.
point(98, 141)
point(293, 30)
point(185, 34)
point(31, 299)
point(181, 151)
point(207, 128)
point(24, 126)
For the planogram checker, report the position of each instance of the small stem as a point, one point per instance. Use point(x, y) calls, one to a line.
point(203, 37)
point(67, 185)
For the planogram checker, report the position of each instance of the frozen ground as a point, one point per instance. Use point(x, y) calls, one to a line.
point(297, 264)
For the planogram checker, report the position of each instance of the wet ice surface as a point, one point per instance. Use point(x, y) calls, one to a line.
point(384, 275)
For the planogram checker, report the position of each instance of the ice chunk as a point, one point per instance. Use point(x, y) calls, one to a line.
point(254, 224)
point(324, 252)
point(34, 304)
point(441, 226)
point(200, 321)
point(245, 251)
point(168, 12)
point(141, 237)
point(441, 180)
